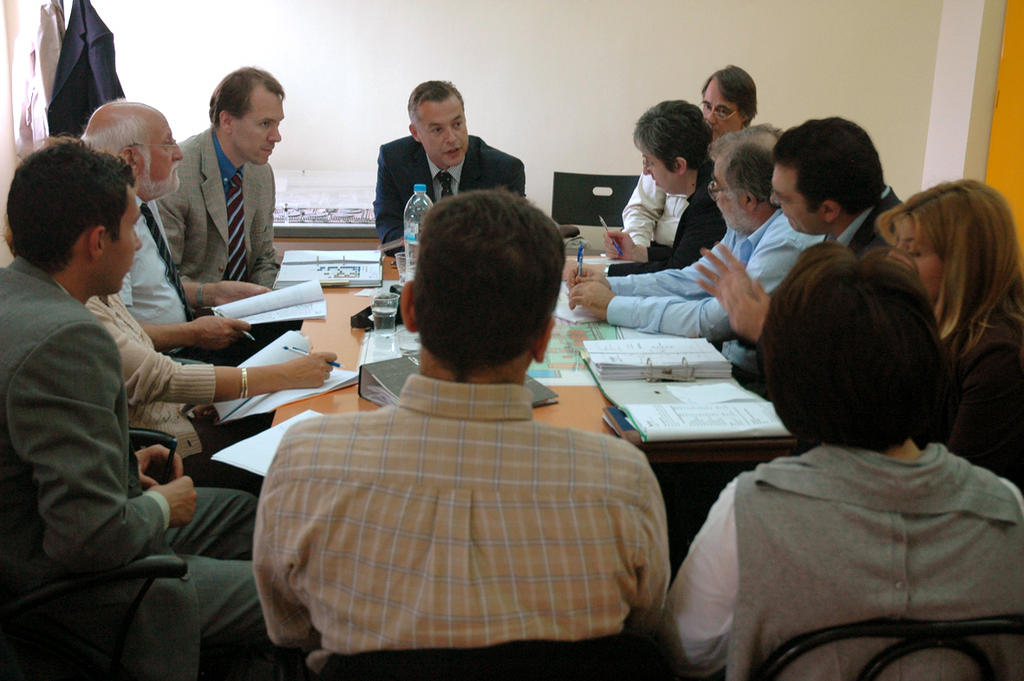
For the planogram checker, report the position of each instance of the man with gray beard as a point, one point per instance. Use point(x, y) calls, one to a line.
point(156, 296)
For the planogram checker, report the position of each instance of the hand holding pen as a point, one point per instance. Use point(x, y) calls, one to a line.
point(607, 231)
point(300, 351)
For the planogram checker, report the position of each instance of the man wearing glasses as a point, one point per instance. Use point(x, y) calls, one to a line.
point(673, 301)
point(729, 103)
point(152, 290)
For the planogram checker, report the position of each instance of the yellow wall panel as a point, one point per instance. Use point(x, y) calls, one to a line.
point(1005, 169)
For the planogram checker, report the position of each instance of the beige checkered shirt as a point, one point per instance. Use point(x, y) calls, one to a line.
point(455, 520)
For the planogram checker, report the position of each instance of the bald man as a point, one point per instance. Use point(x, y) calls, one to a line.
point(157, 297)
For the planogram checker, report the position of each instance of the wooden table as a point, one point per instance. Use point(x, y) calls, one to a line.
point(577, 406)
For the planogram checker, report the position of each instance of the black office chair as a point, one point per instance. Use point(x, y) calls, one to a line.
point(37, 647)
point(912, 635)
point(580, 199)
point(144, 437)
point(625, 656)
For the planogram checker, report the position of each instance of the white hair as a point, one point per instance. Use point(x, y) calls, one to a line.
point(123, 128)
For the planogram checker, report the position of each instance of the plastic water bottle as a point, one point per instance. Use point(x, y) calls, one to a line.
point(419, 203)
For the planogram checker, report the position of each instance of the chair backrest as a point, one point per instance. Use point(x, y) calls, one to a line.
point(580, 199)
point(625, 656)
point(910, 635)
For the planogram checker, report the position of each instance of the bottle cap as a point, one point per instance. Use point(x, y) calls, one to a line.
point(419, 188)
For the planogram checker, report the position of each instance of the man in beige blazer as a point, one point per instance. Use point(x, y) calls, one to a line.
point(245, 112)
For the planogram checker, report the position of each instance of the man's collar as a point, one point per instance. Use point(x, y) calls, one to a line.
point(227, 168)
point(454, 171)
point(470, 401)
point(847, 235)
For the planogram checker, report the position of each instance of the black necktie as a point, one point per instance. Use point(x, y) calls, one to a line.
point(445, 179)
point(165, 255)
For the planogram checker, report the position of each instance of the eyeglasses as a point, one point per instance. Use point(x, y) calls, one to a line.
point(646, 163)
point(721, 112)
point(714, 190)
point(165, 145)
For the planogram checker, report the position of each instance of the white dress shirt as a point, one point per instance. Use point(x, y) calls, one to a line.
point(146, 292)
point(652, 215)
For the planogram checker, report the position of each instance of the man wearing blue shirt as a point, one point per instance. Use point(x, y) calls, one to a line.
point(219, 224)
point(672, 301)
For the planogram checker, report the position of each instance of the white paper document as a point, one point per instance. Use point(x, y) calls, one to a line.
point(330, 268)
point(630, 359)
point(256, 453)
point(302, 301)
point(705, 421)
point(711, 393)
point(274, 353)
point(316, 257)
point(562, 310)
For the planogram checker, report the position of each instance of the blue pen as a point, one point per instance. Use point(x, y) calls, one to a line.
point(614, 242)
point(579, 261)
point(300, 351)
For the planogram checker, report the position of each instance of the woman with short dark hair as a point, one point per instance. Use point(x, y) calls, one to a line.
point(865, 524)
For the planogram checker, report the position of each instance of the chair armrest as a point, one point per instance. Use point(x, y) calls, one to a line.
point(150, 567)
point(144, 437)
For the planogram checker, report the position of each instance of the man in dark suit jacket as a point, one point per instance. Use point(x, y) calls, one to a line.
point(439, 154)
point(73, 497)
point(827, 180)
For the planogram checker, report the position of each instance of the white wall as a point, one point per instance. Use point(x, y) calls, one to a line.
point(558, 84)
point(8, 19)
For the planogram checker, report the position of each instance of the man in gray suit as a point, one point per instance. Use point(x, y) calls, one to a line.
point(219, 223)
point(73, 497)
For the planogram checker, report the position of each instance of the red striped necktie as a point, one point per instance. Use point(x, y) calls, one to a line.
point(236, 230)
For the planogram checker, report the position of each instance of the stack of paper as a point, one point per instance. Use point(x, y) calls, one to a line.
point(703, 410)
point(660, 422)
point(303, 301)
point(275, 353)
point(669, 356)
point(330, 268)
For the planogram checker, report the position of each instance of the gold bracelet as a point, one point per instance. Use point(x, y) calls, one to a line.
point(244, 392)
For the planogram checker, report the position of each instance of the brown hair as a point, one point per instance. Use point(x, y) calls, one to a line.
point(487, 278)
point(970, 227)
point(738, 87)
point(852, 356)
point(234, 93)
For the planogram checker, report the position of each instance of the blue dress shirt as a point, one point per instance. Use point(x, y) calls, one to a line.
point(227, 168)
point(671, 301)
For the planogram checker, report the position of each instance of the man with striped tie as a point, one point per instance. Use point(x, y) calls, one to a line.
point(219, 222)
point(153, 291)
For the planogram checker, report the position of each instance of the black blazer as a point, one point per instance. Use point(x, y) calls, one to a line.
point(86, 76)
point(866, 238)
point(403, 163)
point(700, 226)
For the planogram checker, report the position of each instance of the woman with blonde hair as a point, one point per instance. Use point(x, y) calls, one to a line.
point(962, 239)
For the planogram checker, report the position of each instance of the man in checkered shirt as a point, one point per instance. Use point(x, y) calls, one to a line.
point(454, 520)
